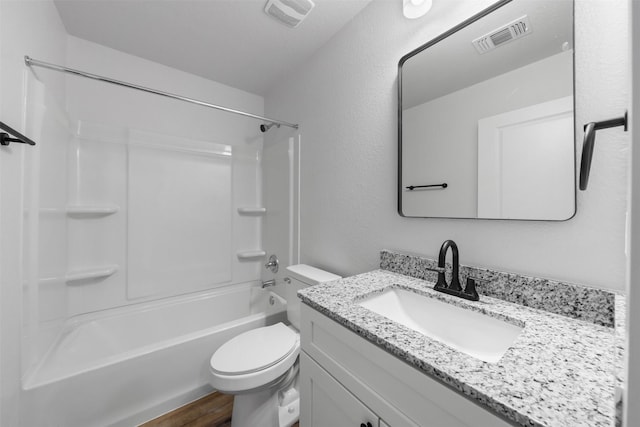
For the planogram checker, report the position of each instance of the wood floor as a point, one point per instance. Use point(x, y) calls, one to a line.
point(213, 410)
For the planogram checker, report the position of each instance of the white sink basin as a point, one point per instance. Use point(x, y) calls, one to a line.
point(476, 334)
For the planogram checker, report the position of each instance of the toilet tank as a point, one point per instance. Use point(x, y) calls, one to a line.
point(301, 276)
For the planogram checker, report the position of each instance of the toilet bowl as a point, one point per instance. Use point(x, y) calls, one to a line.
point(260, 367)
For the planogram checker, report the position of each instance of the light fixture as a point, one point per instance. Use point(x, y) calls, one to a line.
point(413, 9)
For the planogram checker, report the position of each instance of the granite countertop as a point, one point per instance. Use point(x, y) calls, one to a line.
point(559, 372)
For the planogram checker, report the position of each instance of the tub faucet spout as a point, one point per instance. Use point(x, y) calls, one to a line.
point(268, 283)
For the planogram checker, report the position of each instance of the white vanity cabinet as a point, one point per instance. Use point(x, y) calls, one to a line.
point(347, 381)
point(330, 404)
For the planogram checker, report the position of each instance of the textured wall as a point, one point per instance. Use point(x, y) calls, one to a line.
point(344, 98)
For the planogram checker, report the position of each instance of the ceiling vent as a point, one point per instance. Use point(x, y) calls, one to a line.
point(513, 30)
point(289, 12)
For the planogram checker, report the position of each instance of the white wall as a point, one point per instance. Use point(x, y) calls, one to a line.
point(33, 28)
point(344, 98)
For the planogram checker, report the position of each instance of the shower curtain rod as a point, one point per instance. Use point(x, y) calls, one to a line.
point(30, 62)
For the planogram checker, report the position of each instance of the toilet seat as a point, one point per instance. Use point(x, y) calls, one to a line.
point(254, 359)
point(254, 350)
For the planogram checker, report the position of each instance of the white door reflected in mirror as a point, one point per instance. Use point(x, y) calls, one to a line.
point(522, 162)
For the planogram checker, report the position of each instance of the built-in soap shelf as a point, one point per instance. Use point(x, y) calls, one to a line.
point(252, 210)
point(91, 210)
point(246, 255)
point(91, 273)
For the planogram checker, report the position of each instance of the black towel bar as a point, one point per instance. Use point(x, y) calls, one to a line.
point(413, 187)
point(6, 139)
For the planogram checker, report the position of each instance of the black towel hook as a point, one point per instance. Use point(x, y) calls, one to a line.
point(589, 142)
point(6, 139)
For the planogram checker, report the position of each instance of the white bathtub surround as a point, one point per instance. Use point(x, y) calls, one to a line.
point(559, 371)
point(128, 199)
point(178, 172)
point(130, 364)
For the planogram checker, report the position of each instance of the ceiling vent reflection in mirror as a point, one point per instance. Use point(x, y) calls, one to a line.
point(289, 12)
point(511, 31)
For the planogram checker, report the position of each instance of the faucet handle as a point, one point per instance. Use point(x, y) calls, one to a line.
point(436, 269)
point(470, 288)
point(272, 264)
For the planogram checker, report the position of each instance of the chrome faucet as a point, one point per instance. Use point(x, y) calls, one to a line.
point(454, 287)
point(268, 283)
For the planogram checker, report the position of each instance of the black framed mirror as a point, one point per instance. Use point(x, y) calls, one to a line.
point(486, 125)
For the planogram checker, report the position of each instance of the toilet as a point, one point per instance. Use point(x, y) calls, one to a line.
point(260, 366)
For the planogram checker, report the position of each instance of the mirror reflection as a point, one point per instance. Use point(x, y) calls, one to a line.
point(486, 125)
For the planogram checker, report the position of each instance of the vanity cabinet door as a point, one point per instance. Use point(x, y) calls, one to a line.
point(326, 403)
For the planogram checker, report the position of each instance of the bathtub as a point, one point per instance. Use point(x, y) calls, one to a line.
point(125, 366)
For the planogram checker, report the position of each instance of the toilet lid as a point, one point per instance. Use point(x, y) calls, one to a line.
point(254, 350)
